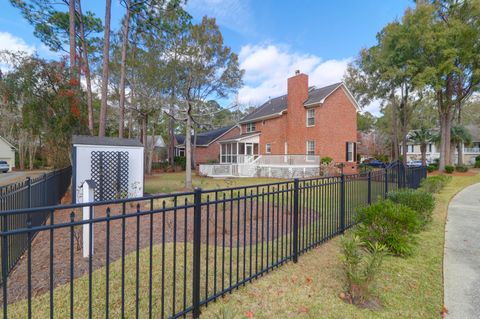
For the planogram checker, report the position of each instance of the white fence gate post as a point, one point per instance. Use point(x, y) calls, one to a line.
point(88, 188)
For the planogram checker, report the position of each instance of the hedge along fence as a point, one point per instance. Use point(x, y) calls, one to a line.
point(168, 255)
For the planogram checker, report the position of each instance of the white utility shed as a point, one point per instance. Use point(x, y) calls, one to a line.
point(7, 152)
point(114, 164)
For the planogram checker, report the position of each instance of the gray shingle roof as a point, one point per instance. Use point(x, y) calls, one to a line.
point(279, 104)
point(207, 137)
point(317, 95)
point(110, 141)
point(271, 107)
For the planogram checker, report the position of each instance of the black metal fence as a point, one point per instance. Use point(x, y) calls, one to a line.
point(169, 255)
point(43, 190)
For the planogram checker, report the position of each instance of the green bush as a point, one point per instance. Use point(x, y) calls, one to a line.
point(180, 161)
point(449, 169)
point(420, 201)
point(431, 168)
point(389, 224)
point(461, 168)
point(477, 158)
point(360, 265)
point(326, 160)
point(477, 164)
point(434, 184)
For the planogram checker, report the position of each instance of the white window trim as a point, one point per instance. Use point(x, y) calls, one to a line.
point(313, 110)
point(268, 148)
point(250, 126)
point(351, 151)
point(310, 157)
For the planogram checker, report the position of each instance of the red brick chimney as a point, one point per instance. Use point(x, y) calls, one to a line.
point(297, 94)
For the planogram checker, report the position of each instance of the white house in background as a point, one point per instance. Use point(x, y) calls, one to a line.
point(433, 152)
point(7, 152)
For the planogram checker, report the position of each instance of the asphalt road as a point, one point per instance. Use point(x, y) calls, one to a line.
point(17, 176)
point(462, 255)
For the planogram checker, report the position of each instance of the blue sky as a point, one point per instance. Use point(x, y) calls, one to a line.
point(273, 38)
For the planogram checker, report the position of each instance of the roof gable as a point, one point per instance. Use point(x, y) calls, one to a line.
point(206, 138)
point(7, 142)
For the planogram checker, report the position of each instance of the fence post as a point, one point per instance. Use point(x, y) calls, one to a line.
point(386, 182)
point(295, 220)
point(4, 265)
point(45, 199)
point(369, 188)
point(342, 203)
point(29, 191)
point(197, 224)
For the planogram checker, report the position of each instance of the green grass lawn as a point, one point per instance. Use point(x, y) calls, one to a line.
point(408, 288)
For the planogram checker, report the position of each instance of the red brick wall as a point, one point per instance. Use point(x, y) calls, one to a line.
point(297, 94)
point(273, 132)
point(205, 154)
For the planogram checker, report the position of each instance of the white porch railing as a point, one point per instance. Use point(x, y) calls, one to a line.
point(281, 160)
point(471, 150)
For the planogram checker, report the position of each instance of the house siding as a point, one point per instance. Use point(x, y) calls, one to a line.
point(335, 125)
point(210, 153)
point(7, 154)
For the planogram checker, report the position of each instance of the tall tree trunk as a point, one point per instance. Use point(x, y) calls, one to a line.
point(86, 64)
point(171, 130)
point(71, 36)
point(123, 63)
point(106, 53)
point(188, 152)
point(144, 140)
point(445, 127)
point(394, 128)
point(423, 150)
point(460, 153)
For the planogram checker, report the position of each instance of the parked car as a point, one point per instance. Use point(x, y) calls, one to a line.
point(374, 163)
point(4, 167)
point(414, 163)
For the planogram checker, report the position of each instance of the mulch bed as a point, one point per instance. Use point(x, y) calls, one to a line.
point(40, 278)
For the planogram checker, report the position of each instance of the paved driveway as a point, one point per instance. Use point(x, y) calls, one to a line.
point(462, 255)
point(17, 176)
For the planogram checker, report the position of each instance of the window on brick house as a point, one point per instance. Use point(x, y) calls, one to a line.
point(310, 150)
point(311, 117)
point(250, 127)
point(350, 152)
point(268, 148)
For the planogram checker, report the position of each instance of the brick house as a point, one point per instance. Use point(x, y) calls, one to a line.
point(295, 129)
point(208, 146)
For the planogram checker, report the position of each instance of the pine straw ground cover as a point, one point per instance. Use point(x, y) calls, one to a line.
point(407, 287)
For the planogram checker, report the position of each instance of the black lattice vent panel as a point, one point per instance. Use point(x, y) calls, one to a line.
point(110, 173)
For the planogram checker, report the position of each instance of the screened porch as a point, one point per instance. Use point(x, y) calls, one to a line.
point(238, 152)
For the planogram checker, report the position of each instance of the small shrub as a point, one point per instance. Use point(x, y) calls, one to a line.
point(180, 161)
point(420, 201)
point(461, 168)
point(449, 169)
point(389, 224)
point(477, 164)
point(434, 184)
point(360, 264)
point(431, 168)
point(326, 160)
point(477, 158)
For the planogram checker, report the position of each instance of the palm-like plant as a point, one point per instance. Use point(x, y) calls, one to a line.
point(422, 136)
point(460, 136)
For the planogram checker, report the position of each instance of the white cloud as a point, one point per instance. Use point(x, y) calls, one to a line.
point(235, 15)
point(12, 43)
point(267, 68)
